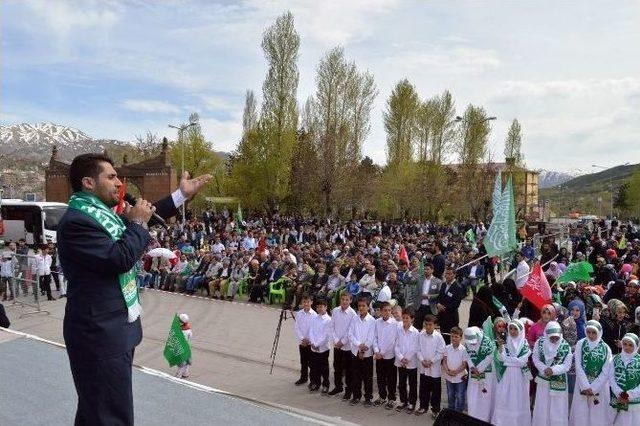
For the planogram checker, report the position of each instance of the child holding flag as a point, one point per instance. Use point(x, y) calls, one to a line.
point(183, 367)
point(624, 378)
point(480, 348)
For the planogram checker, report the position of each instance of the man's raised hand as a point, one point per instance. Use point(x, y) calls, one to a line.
point(190, 187)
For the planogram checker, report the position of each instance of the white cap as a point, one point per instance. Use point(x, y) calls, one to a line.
point(184, 318)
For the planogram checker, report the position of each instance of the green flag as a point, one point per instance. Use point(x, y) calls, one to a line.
point(239, 218)
point(421, 270)
point(177, 349)
point(497, 192)
point(580, 271)
point(501, 237)
point(500, 307)
point(487, 328)
point(470, 236)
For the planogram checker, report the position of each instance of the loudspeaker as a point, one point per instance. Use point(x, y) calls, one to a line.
point(449, 417)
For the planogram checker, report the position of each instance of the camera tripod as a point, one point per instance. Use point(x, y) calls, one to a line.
point(276, 339)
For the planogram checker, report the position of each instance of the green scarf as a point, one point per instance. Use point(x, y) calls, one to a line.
point(593, 359)
point(91, 206)
point(557, 383)
point(486, 348)
point(627, 377)
point(501, 368)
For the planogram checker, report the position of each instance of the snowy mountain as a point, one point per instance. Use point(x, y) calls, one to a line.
point(34, 142)
point(550, 178)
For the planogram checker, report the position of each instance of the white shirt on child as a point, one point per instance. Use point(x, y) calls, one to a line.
point(341, 320)
point(385, 337)
point(455, 357)
point(362, 330)
point(320, 332)
point(407, 347)
point(303, 324)
point(431, 348)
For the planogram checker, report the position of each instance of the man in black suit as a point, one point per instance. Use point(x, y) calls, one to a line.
point(101, 326)
point(448, 303)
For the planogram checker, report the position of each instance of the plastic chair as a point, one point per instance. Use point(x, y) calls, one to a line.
point(276, 291)
point(242, 286)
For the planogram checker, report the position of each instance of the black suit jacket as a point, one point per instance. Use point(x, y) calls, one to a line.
point(95, 322)
point(451, 301)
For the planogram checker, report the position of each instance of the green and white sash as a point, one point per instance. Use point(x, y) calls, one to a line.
point(501, 368)
point(593, 360)
point(628, 378)
point(93, 207)
point(486, 348)
point(557, 383)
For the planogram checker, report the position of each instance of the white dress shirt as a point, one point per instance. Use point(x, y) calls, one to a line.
point(430, 348)
point(522, 273)
point(407, 347)
point(426, 284)
point(43, 264)
point(178, 198)
point(455, 357)
point(362, 330)
point(385, 337)
point(341, 320)
point(303, 324)
point(320, 332)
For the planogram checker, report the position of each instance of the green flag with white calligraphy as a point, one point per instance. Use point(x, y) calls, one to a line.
point(501, 237)
point(177, 349)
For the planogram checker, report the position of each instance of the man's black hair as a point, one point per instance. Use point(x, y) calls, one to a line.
point(86, 165)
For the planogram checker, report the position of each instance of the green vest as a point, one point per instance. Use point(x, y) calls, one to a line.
point(628, 378)
point(593, 360)
point(558, 382)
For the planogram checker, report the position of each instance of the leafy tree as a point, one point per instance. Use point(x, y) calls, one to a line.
point(400, 123)
point(513, 144)
point(250, 114)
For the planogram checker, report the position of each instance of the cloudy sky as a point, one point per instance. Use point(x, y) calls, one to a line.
point(568, 70)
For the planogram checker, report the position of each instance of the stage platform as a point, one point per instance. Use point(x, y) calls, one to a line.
point(36, 388)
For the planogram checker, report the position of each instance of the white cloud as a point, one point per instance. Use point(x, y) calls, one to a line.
point(150, 106)
point(224, 135)
point(458, 60)
point(513, 89)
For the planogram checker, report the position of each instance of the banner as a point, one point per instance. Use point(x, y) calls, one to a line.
point(177, 349)
point(239, 218)
point(501, 237)
point(537, 290)
point(470, 236)
point(403, 255)
point(497, 192)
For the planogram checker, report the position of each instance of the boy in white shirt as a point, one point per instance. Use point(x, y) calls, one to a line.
point(454, 366)
point(361, 336)
point(319, 337)
point(407, 361)
point(386, 331)
point(431, 348)
point(303, 319)
point(341, 318)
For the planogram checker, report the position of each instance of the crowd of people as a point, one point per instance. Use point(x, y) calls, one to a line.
point(388, 294)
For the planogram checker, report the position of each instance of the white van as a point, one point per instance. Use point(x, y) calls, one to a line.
point(35, 221)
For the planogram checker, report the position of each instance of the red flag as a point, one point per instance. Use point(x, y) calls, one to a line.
point(537, 289)
point(403, 254)
point(262, 244)
point(119, 208)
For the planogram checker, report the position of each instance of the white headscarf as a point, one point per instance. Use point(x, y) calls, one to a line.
point(473, 337)
point(551, 349)
point(514, 344)
point(594, 325)
point(634, 340)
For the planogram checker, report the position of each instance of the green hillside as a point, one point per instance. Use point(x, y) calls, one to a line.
point(582, 194)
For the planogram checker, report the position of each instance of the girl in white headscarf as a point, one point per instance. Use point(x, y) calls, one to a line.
point(590, 404)
point(513, 376)
point(480, 388)
point(624, 379)
point(552, 357)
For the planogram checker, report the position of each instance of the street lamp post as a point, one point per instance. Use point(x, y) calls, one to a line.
point(181, 129)
point(610, 186)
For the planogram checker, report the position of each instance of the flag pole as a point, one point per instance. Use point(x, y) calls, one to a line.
point(469, 263)
point(530, 272)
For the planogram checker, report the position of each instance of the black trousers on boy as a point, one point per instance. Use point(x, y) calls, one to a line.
point(430, 392)
point(363, 374)
point(387, 375)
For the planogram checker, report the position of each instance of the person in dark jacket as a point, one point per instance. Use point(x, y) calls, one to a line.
point(451, 294)
point(482, 307)
point(4, 320)
point(98, 251)
point(614, 325)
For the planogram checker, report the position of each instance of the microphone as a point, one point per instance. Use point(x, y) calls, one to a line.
point(155, 218)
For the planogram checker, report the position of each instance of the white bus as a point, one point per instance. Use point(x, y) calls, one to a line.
point(35, 221)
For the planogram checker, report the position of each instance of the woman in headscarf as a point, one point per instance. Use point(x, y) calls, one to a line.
point(577, 313)
point(481, 307)
point(512, 404)
point(616, 291)
point(552, 358)
point(614, 325)
point(547, 313)
point(553, 271)
point(624, 379)
point(480, 388)
point(590, 403)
